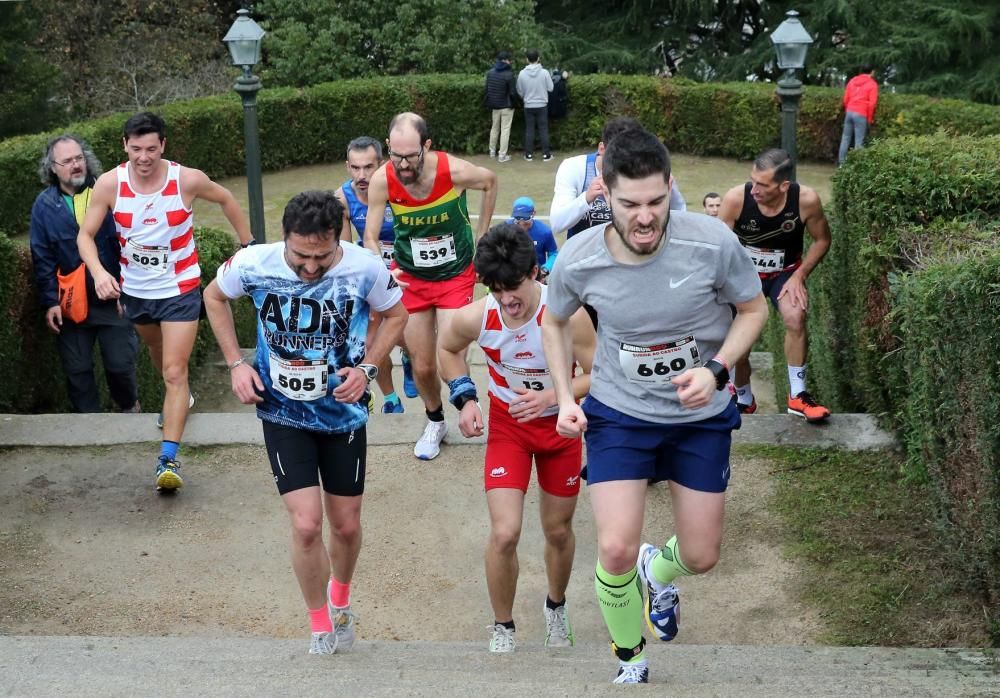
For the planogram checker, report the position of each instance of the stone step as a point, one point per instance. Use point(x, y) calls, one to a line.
point(189, 666)
point(850, 431)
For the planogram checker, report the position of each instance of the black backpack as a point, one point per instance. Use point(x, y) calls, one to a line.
point(559, 97)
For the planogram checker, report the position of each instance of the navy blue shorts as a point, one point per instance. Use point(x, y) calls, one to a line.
point(694, 454)
point(152, 311)
point(772, 286)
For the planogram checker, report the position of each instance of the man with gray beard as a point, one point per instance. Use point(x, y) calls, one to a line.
point(69, 169)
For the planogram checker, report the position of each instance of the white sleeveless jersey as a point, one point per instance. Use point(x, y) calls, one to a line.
point(156, 232)
point(514, 357)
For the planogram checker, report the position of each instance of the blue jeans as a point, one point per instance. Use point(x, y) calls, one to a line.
point(854, 125)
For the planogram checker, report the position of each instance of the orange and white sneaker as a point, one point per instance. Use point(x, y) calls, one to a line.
point(748, 409)
point(803, 405)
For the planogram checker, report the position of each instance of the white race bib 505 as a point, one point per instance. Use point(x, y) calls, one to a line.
point(299, 379)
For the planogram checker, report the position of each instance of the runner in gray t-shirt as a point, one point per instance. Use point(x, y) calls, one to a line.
point(663, 284)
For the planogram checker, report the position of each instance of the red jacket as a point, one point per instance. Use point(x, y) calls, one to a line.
point(860, 96)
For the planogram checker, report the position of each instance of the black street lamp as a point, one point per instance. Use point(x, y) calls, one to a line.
point(243, 41)
point(791, 42)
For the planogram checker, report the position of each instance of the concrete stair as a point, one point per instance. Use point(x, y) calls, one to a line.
point(174, 666)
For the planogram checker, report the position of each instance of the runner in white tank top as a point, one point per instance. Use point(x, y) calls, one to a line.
point(156, 231)
point(514, 357)
point(152, 200)
point(522, 418)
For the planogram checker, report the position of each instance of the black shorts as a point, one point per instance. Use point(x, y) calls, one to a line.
point(299, 458)
point(152, 311)
point(772, 285)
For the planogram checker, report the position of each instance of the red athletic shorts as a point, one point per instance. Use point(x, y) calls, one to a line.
point(447, 294)
point(511, 444)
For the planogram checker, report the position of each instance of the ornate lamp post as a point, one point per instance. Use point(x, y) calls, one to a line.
point(243, 41)
point(791, 42)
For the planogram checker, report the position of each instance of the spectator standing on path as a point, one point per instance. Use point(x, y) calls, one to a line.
point(309, 381)
point(69, 168)
point(860, 99)
point(658, 406)
point(152, 202)
point(771, 214)
point(522, 425)
point(500, 93)
point(534, 85)
point(711, 204)
point(523, 218)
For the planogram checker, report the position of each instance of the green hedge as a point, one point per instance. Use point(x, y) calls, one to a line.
point(304, 126)
point(31, 375)
point(949, 315)
point(896, 203)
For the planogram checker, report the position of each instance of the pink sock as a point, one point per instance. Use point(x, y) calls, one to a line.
point(319, 619)
point(340, 594)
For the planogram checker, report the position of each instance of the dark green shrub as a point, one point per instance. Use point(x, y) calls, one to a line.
point(31, 376)
point(949, 318)
point(892, 203)
point(304, 126)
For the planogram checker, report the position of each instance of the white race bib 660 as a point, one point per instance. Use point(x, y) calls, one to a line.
point(433, 251)
point(658, 363)
point(527, 378)
point(766, 261)
point(299, 379)
point(149, 257)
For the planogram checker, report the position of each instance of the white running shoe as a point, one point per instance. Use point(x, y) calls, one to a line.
point(343, 627)
point(323, 643)
point(502, 641)
point(429, 445)
point(159, 417)
point(632, 673)
point(558, 631)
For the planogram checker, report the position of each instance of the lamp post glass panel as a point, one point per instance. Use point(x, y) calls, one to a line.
point(791, 42)
point(243, 41)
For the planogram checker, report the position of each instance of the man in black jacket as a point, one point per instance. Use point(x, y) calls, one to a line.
point(68, 169)
point(499, 97)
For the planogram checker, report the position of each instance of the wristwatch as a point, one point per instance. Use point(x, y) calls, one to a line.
point(720, 371)
point(371, 371)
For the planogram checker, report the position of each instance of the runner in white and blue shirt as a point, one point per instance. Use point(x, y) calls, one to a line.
point(309, 380)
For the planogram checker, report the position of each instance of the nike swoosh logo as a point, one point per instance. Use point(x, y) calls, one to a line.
point(675, 284)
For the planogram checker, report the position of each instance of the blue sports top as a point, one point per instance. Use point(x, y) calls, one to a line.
point(307, 331)
point(358, 211)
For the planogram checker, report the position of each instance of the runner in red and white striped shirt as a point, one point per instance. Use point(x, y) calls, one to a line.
point(152, 201)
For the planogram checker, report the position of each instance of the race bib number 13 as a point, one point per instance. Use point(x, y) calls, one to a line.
point(299, 379)
point(527, 378)
point(659, 363)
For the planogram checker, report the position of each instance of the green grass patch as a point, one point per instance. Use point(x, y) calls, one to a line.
point(868, 543)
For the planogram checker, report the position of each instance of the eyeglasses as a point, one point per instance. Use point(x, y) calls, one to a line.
point(412, 158)
point(70, 161)
point(522, 218)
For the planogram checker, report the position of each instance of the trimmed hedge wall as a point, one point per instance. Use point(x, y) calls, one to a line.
point(31, 375)
point(304, 126)
point(894, 204)
point(905, 324)
point(949, 317)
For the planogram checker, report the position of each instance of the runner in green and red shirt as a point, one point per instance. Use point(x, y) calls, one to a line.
point(425, 190)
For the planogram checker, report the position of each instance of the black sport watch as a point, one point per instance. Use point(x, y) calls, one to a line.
point(371, 371)
point(720, 372)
